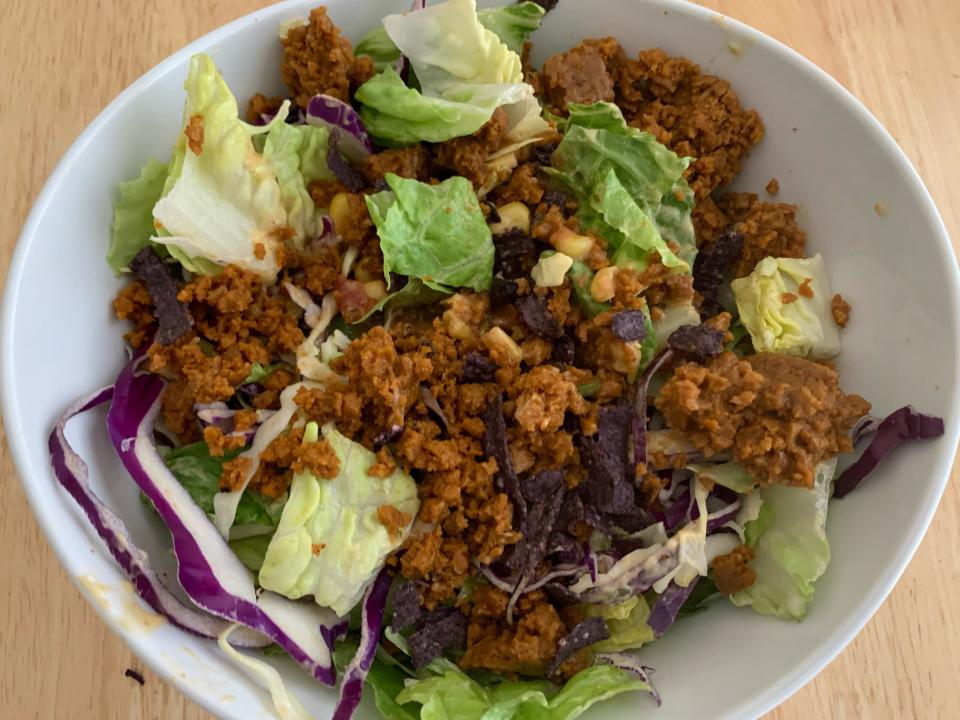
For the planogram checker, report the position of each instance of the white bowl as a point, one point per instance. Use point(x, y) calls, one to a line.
point(831, 156)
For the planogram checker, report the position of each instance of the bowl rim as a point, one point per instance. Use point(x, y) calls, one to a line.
point(760, 703)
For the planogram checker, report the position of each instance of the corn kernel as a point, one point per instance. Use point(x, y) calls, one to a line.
point(340, 212)
point(513, 215)
point(498, 342)
point(375, 289)
point(569, 243)
point(551, 271)
point(603, 287)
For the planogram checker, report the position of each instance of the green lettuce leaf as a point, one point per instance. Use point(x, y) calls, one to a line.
point(330, 543)
point(453, 695)
point(730, 475)
point(803, 325)
point(627, 623)
point(791, 544)
point(199, 473)
point(465, 73)
point(378, 45)
point(413, 294)
point(298, 153)
point(513, 24)
point(133, 214)
point(436, 233)
point(218, 205)
point(251, 550)
point(630, 188)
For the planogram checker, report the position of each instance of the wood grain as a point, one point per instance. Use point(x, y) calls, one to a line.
point(60, 63)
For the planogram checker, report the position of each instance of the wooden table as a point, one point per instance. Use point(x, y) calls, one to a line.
point(60, 63)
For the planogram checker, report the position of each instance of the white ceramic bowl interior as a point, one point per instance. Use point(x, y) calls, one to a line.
point(831, 156)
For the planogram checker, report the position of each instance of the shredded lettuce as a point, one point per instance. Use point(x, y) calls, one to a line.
point(133, 214)
point(416, 221)
point(790, 540)
point(465, 72)
point(630, 188)
point(453, 695)
point(330, 542)
point(785, 304)
point(731, 475)
point(220, 204)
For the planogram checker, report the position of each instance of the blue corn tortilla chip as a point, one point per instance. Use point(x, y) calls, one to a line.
point(503, 292)
point(543, 153)
point(630, 326)
point(699, 341)
point(173, 316)
point(349, 176)
point(571, 512)
point(711, 267)
point(544, 493)
point(556, 198)
point(547, 5)
point(535, 315)
point(564, 351)
point(387, 436)
point(515, 254)
point(590, 631)
point(564, 548)
point(478, 368)
point(609, 483)
point(406, 605)
point(441, 630)
point(495, 445)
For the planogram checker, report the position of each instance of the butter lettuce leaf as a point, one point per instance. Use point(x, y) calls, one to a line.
point(627, 623)
point(781, 317)
point(630, 188)
point(221, 198)
point(790, 541)
point(330, 542)
point(453, 695)
point(133, 214)
point(513, 24)
point(464, 70)
point(436, 233)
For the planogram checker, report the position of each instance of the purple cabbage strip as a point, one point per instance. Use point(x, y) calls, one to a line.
point(209, 572)
point(668, 604)
point(372, 610)
point(631, 664)
point(721, 517)
point(344, 124)
point(898, 427)
point(74, 476)
point(638, 449)
point(341, 168)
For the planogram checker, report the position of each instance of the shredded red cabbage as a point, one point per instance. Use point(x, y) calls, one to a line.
point(209, 572)
point(74, 476)
point(668, 604)
point(372, 610)
point(344, 124)
point(898, 427)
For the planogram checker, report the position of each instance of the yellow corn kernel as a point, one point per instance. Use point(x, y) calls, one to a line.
point(603, 287)
point(375, 289)
point(499, 343)
point(513, 215)
point(551, 271)
point(340, 211)
point(456, 327)
point(569, 243)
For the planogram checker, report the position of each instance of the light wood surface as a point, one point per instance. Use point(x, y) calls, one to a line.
point(61, 62)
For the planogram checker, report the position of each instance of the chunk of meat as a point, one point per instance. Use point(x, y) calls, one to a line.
point(769, 229)
point(467, 156)
point(261, 105)
point(316, 59)
point(412, 162)
point(693, 114)
point(543, 396)
point(585, 74)
point(732, 572)
point(526, 648)
point(840, 309)
point(779, 415)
